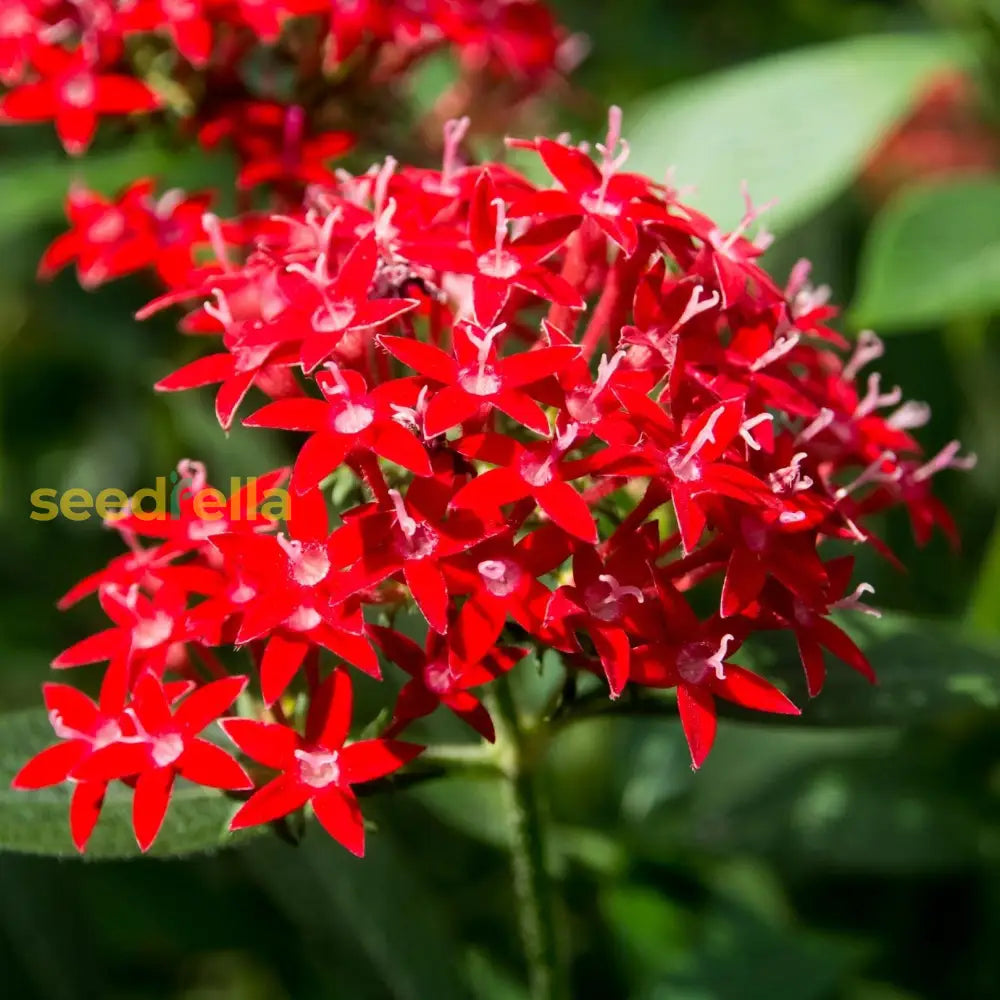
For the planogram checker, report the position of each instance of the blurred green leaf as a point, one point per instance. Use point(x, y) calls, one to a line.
point(380, 902)
point(926, 670)
point(795, 127)
point(37, 822)
point(933, 254)
point(729, 949)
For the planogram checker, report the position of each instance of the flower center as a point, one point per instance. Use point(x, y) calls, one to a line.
point(308, 563)
point(334, 316)
point(500, 264)
point(151, 632)
point(317, 769)
point(438, 677)
point(353, 418)
point(699, 659)
point(79, 91)
point(605, 598)
point(303, 620)
point(166, 749)
point(108, 228)
point(500, 576)
point(479, 381)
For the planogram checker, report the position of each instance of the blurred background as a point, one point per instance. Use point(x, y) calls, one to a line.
point(806, 861)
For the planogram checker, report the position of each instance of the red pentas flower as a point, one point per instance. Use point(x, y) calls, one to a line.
point(143, 742)
point(74, 92)
point(559, 416)
point(319, 767)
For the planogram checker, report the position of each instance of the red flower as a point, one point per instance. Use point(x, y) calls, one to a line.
point(694, 660)
point(477, 377)
point(74, 93)
point(348, 419)
point(156, 745)
point(440, 676)
point(497, 263)
point(319, 768)
point(540, 471)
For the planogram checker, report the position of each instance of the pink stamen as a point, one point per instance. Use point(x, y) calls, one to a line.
point(874, 473)
point(875, 399)
point(868, 348)
point(853, 601)
point(781, 347)
point(946, 458)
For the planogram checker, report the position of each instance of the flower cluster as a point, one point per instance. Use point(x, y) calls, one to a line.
point(581, 418)
point(287, 82)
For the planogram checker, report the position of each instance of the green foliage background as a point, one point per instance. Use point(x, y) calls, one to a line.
point(851, 855)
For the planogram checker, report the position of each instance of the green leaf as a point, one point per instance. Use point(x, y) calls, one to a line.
point(933, 254)
point(37, 822)
point(927, 670)
point(795, 127)
point(380, 901)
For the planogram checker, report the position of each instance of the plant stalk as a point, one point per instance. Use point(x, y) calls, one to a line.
point(534, 891)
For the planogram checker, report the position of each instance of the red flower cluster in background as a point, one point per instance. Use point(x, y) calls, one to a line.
point(504, 366)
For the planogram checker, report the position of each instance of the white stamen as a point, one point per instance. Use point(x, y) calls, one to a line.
point(868, 348)
point(910, 415)
point(749, 425)
point(819, 423)
point(875, 399)
point(406, 523)
point(946, 458)
point(853, 601)
point(781, 347)
point(873, 474)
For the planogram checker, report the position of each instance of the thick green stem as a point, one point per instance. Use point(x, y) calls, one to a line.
point(529, 855)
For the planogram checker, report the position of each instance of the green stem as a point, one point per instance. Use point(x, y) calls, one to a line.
point(529, 855)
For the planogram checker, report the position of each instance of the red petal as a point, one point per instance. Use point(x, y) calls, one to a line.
point(745, 577)
point(50, 767)
point(299, 414)
point(426, 583)
point(568, 509)
point(209, 702)
point(93, 649)
point(522, 408)
point(75, 709)
point(577, 173)
point(404, 652)
point(843, 646)
point(330, 710)
point(398, 445)
point(356, 272)
point(267, 743)
point(85, 810)
point(697, 711)
point(530, 366)
point(318, 457)
point(277, 798)
point(206, 764)
point(75, 128)
point(449, 407)
point(423, 358)
point(751, 691)
point(231, 393)
point(281, 661)
point(490, 490)
point(338, 811)
point(122, 95)
point(373, 759)
point(149, 804)
point(204, 371)
point(118, 760)
point(613, 649)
